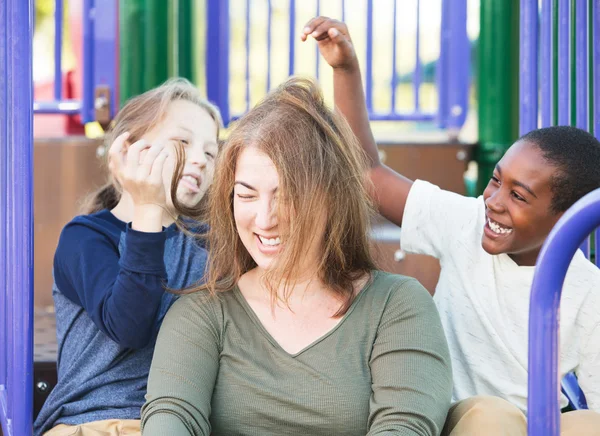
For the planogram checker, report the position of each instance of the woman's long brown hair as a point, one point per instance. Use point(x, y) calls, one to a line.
point(321, 170)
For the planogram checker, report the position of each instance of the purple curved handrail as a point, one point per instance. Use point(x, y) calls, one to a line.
point(554, 259)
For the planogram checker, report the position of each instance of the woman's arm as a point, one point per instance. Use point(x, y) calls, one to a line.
point(184, 370)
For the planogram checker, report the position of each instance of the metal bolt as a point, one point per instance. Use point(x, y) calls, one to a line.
point(456, 110)
point(100, 103)
point(42, 386)
point(461, 155)
point(399, 255)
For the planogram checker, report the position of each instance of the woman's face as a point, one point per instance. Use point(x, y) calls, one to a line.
point(255, 195)
point(258, 212)
point(191, 126)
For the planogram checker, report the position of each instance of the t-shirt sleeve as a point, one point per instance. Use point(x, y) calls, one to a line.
point(588, 372)
point(410, 366)
point(121, 292)
point(435, 220)
point(184, 369)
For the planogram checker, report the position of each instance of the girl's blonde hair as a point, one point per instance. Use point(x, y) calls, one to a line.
point(321, 170)
point(140, 115)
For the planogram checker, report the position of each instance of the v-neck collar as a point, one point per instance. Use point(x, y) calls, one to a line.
point(258, 323)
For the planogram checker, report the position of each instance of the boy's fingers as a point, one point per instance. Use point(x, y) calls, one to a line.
point(158, 165)
point(133, 154)
point(116, 150)
point(312, 24)
point(150, 157)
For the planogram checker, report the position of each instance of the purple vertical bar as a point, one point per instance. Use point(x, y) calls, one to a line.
point(442, 67)
point(557, 252)
point(546, 63)
point(106, 43)
point(564, 101)
point(528, 83)
point(394, 49)
point(58, 18)
point(247, 66)
point(418, 70)
point(3, 202)
point(292, 52)
point(19, 239)
point(344, 11)
point(269, 36)
point(87, 95)
point(369, 69)
point(596, 79)
point(457, 64)
point(217, 49)
point(318, 56)
point(581, 57)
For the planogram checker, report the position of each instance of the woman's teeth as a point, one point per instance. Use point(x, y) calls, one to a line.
point(270, 242)
point(497, 228)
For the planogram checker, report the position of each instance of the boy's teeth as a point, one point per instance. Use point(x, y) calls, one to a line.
point(497, 228)
point(272, 241)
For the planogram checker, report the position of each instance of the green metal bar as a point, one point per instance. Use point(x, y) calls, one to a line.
point(156, 47)
point(185, 40)
point(131, 48)
point(498, 83)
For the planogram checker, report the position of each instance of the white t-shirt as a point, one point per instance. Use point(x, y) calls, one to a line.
point(483, 301)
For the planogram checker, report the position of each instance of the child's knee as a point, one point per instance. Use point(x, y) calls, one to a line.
point(580, 423)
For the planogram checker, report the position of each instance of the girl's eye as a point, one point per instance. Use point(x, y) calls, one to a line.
point(183, 141)
point(245, 196)
point(495, 179)
point(209, 154)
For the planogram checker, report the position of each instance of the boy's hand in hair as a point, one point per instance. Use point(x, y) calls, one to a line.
point(138, 167)
point(334, 42)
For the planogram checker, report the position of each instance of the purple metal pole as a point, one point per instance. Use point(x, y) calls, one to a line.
point(87, 95)
point(564, 101)
point(546, 63)
point(459, 58)
point(106, 42)
point(442, 67)
point(292, 34)
point(596, 79)
point(217, 49)
point(3, 208)
point(19, 240)
point(554, 259)
point(369, 69)
point(58, 18)
point(581, 57)
point(247, 65)
point(344, 10)
point(528, 83)
point(417, 73)
point(394, 49)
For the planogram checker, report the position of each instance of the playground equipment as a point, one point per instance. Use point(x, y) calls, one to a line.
point(570, 89)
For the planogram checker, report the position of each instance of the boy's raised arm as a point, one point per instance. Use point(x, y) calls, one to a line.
point(335, 45)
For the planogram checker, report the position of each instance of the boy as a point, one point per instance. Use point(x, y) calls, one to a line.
point(487, 249)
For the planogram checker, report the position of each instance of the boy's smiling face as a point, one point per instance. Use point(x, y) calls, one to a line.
point(518, 202)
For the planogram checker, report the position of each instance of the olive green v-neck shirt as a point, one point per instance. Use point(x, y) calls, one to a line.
point(384, 369)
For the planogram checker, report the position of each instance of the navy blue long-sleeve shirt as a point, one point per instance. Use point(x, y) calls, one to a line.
point(109, 295)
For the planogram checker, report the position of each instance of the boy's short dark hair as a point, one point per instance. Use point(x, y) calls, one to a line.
point(576, 155)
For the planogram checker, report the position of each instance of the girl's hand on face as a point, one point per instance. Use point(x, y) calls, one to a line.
point(334, 42)
point(139, 169)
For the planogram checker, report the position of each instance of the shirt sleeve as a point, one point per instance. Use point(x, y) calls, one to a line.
point(184, 370)
point(434, 220)
point(588, 372)
point(410, 367)
point(121, 293)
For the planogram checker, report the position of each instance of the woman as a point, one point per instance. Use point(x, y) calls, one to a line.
point(295, 331)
